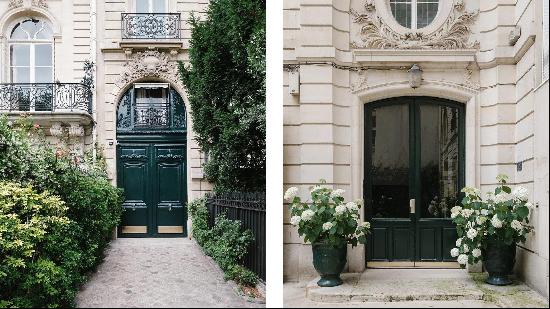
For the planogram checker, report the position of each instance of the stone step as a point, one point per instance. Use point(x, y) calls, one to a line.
point(393, 285)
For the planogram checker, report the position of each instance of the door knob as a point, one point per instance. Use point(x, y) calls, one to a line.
point(412, 205)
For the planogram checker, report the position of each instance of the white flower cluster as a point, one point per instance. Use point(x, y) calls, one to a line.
point(291, 193)
point(340, 210)
point(307, 215)
point(295, 220)
point(520, 194)
point(495, 221)
point(327, 226)
point(337, 193)
point(455, 211)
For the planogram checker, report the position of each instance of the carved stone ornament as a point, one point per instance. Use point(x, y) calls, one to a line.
point(360, 81)
point(468, 80)
point(150, 63)
point(56, 129)
point(453, 34)
point(75, 130)
point(40, 3)
point(15, 4)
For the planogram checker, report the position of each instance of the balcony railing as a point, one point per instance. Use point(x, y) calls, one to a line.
point(151, 25)
point(45, 97)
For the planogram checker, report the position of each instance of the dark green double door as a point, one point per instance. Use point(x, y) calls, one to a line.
point(414, 170)
point(153, 177)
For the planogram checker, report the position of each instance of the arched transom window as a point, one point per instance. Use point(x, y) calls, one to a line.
point(151, 107)
point(414, 14)
point(31, 52)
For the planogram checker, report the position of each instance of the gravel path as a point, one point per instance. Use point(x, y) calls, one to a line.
point(158, 272)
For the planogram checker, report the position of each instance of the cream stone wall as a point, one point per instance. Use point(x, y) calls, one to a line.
point(332, 75)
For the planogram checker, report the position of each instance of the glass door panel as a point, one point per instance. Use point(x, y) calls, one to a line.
point(439, 160)
point(390, 161)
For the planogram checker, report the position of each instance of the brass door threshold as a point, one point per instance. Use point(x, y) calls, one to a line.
point(410, 264)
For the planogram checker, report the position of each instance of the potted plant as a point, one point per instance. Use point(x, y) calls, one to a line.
point(329, 224)
point(489, 229)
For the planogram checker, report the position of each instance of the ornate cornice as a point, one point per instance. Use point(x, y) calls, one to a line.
point(150, 63)
point(453, 34)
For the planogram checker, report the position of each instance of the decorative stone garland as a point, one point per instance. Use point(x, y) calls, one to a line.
point(453, 34)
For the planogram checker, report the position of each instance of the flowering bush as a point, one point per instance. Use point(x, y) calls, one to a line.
point(327, 218)
point(502, 216)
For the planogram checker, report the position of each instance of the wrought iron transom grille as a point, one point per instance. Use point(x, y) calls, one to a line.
point(151, 107)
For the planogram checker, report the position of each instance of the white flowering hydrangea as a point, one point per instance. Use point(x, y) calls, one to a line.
point(472, 233)
point(495, 221)
point(465, 248)
point(340, 210)
point(516, 225)
point(351, 206)
point(481, 220)
point(501, 198)
point(466, 213)
point(307, 215)
point(462, 259)
point(455, 211)
point(455, 252)
point(476, 252)
point(520, 193)
point(337, 193)
point(327, 226)
point(295, 220)
point(326, 217)
point(291, 193)
point(458, 242)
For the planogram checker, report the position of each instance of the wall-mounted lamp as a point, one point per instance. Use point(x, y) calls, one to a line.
point(415, 76)
point(294, 82)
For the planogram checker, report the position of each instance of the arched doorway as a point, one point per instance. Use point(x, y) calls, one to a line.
point(151, 161)
point(414, 170)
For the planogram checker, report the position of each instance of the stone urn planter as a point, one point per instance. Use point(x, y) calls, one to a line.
point(499, 259)
point(329, 262)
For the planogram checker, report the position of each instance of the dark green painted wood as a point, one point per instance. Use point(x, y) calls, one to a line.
point(152, 173)
point(415, 238)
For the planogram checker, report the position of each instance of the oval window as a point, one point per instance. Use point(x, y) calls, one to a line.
point(414, 14)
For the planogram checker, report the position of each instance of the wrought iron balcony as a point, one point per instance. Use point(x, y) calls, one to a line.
point(42, 97)
point(151, 25)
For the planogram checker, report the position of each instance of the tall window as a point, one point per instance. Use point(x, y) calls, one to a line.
point(151, 6)
point(414, 14)
point(31, 52)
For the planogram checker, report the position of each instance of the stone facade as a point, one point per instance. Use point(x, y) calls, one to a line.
point(92, 30)
point(342, 54)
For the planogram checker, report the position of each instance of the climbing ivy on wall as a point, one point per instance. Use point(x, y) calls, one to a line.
point(225, 81)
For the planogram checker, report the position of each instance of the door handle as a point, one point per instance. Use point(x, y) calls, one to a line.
point(412, 205)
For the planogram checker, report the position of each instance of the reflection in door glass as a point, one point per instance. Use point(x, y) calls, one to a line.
point(439, 160)
point(390, 161)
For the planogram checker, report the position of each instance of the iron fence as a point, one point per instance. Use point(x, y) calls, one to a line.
point(249, 208)
point(49, 97)
point(151, 25)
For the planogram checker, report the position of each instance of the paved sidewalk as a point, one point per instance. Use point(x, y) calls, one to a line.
point(158, 272)
point(398, 288)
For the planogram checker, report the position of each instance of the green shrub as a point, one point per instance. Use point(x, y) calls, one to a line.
point(61, 253)
point(226, 243)
point(32, 270)
point(225, 82)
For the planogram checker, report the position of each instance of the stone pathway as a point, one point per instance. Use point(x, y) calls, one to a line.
point(158, 272)
point(395, 288)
